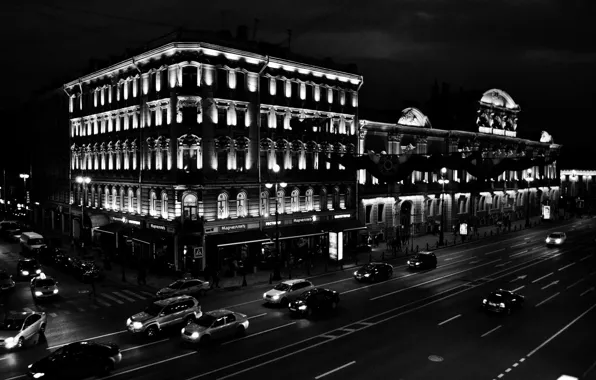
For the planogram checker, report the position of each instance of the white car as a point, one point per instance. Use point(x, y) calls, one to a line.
point(556, 238)
point(287, 291)
point(186, 286)
point(43, 287)
point(17, 328)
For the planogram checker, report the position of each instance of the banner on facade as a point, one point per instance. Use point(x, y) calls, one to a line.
point(463, 229)
point(545, 212)
point(336, 247)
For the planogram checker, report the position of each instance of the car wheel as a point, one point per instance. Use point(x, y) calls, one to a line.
point(151, 332)
point(20, 343)
point(42, 329)
point(241, 331)
point(106, 368)
point(190, 319)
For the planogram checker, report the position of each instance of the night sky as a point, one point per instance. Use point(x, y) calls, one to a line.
point(541, 52)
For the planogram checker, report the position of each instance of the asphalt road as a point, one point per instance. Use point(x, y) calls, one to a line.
point(418, 325)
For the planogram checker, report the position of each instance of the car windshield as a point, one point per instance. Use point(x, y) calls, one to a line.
point(206, 320)
point(153, 309)
point(12, 323)
point(555, 236)
point(282, 287)
point(36, 242)
point(176, 285)
point(29, 264)
point(46, 282)
point(4, 276)
point(368, 267)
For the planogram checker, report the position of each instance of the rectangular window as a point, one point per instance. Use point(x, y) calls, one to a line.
point(240, 160)
point(222, 117)
point(222, 161)
point(368, 214)
point(381, 213)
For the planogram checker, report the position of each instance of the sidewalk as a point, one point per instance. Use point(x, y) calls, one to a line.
point(319, 265)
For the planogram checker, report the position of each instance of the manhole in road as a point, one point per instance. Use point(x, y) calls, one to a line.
point(435, 358)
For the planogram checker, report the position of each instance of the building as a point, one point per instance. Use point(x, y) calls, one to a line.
point(578, 190)
point(401, 173)
point(172, 151)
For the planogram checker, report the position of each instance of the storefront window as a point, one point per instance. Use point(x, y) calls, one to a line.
point(190, 207)
point(222, 206)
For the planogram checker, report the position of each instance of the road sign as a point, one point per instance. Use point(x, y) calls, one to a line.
point(198, 252)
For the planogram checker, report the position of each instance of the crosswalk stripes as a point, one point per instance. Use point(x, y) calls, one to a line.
point(133, 294)
point(123, 296)
point(147, 293)
point(99, 301)
point(111, 298)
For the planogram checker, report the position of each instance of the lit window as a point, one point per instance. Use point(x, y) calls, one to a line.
point(164, 205)
point(265, 203)
point(152, 204)
point(222, 206)
point(295, 200)
point(309, 200)
point(190, 207)
point(241, 205)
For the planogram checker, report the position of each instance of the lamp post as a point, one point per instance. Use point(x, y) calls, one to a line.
point(528, 180)
point(25, 177)
point(443, 181)
point(85, 181)
point(277, 184)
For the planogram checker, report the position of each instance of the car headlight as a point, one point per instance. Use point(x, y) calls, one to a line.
point(137, 325)
point(548, 240)
point(38, 293)
point(275, 297)
point(302, 307)
point(10, 342)
point(194, 335)
point(356, 273)
point(484, 301)
point(408, 262)
point(55, 291)
point(38, 271)
point(367, 275)
point(558, 241)
point(264, 295)
point(502, 305)
point(38, 375)
point(128, 321)
point(25, 272)
point(417, 264)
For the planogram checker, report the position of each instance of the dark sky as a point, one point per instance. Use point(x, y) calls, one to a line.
point(541, 52)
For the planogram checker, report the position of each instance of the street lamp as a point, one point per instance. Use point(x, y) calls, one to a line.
point(528, 179)
point(25, 177)
point(85, 181)
point(277, 184)
point(443, 181)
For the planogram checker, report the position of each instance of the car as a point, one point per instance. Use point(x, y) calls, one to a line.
point(14, 235)
point(77, 360)
point(374, 272)
point(28, 268)
point(43, 287)
point(18, 327)
point(8, 225)
point(286, 291)
point(556, 238)
point(86, 270)
point(314, 301)
point(188, 286)
point(423, 260)
point(164, 313)
point(215, 325)
point(63, 261)
point(503, 301)
point(6, 281)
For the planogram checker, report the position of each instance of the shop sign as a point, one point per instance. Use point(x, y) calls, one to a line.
point(303, 220)
point(546, 212)
point(463, 229)
point(209, 230)
point(198, 252)
point(135, 222)
point(235, 227)
point(122, 219)
point(171, 230)
point(267, 224)
point(342, 216)
point(336, 247)
point(157, 227)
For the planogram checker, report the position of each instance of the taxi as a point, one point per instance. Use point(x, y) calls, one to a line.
point(43, 287)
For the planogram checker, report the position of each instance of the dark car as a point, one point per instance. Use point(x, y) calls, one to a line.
point(78, 360)
point(63, 261)
point(423, 260)
point(86, 271)
point(6, 282)
point(315, 301)
point(503, 301)
point(374, 272)
point(28, 268)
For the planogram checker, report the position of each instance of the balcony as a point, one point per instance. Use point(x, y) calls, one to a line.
point(108, 175)
point(295, 175)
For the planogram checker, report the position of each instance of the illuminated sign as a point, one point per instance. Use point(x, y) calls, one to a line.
point(342, 216)
point(157, 227)
point(463, 229)
point(303, 220)
point(336, 246)
point(135, 222)
point(272, 223)
point(234, 227)
point(546, 212)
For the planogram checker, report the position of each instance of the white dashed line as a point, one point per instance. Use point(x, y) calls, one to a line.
point(585, 257)
point(517, 245)
point(518, 289)
point(124, 296)
point(587, 291)
point(542, 278)
point(449, 320)
point(548, 299)
point(134, 294)
point(498, 250)
point(491, 331)
point(519, 253)
point(53, 315)
point(112, 298)
point(257, 316)
point(575, 283)
point(566, 266)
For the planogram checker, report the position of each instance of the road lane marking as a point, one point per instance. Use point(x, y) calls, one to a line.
point(257, 316)
point(586, 257)
point(429, 281)
point(515, 365)
point(518, 289)
point(115, 374)
point(449, 320)
point(502, 264)
point(4, 357)
point(508, 370)
point(491, 331)
point(587, 291)
point(517, 245)
point(519, 253)
point(566, 266)
point(548, 299)
point(575, 283)
point(144, 345)
point(259, 333)
point(134, 294)
point(53, 315)
point(560, 331)
point(474, 262)
point(93, 338)
point(498, 250)
point(111, 298)
point(454, 257)
point(542, 278)
point(16, 377)
point(549, 285)
point(101, 302)
point(590, 368)
point(335, 370)
point(124, 296)
point(152, 295)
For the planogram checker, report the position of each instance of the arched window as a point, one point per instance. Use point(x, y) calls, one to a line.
point(335, 203)
point(309, 200)
point(107, 200)
point(323, 200)
point(190, 207)
point(131, 201)
point(114, 199)
point(348, 198)
point(241, 205)
point(222, 206)
point(164, 205)
point(264, 204)
point(280, 201)
point(152, 203)
point(295, 200)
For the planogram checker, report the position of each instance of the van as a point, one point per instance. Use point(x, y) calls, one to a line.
point(31, 241)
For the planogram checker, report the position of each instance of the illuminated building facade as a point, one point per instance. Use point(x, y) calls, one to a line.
point(578, 189)
point(413, 205)
point(179, 143)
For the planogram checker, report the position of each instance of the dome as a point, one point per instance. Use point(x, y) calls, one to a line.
point(498, 98)
point(412, 117)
